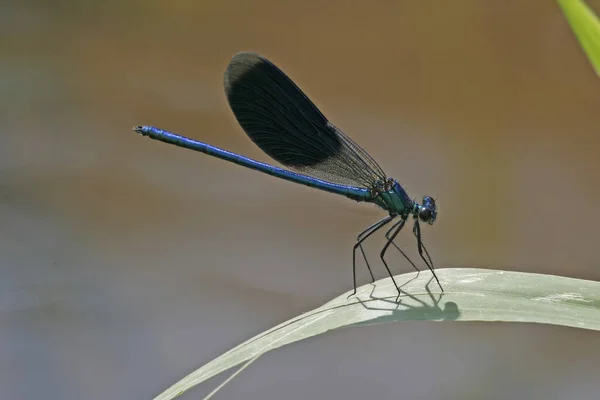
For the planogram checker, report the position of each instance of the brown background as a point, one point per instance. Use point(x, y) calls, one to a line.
point(127, 263)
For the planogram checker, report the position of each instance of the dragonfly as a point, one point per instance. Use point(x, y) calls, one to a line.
point(284, 123)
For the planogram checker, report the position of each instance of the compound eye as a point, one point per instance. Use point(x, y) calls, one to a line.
point(425, 214)
point(428, 202)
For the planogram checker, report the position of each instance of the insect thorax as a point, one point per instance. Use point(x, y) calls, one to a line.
point(390, 196)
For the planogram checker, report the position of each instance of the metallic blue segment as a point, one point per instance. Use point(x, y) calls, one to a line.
point(354, 193)
point(395, 200)
point(403, 196)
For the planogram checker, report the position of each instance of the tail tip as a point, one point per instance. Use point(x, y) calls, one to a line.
point(142, 130)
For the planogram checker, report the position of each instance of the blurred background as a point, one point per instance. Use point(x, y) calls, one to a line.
point(127, 263)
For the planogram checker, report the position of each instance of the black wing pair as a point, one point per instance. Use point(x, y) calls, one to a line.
point(286, 125)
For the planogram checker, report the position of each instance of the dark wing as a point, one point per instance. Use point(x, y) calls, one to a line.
point(286, 125)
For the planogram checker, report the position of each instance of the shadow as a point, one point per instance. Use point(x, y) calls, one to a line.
point(418, 310)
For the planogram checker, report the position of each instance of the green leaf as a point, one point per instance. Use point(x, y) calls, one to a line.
point(469, 295)
point(586, 26)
